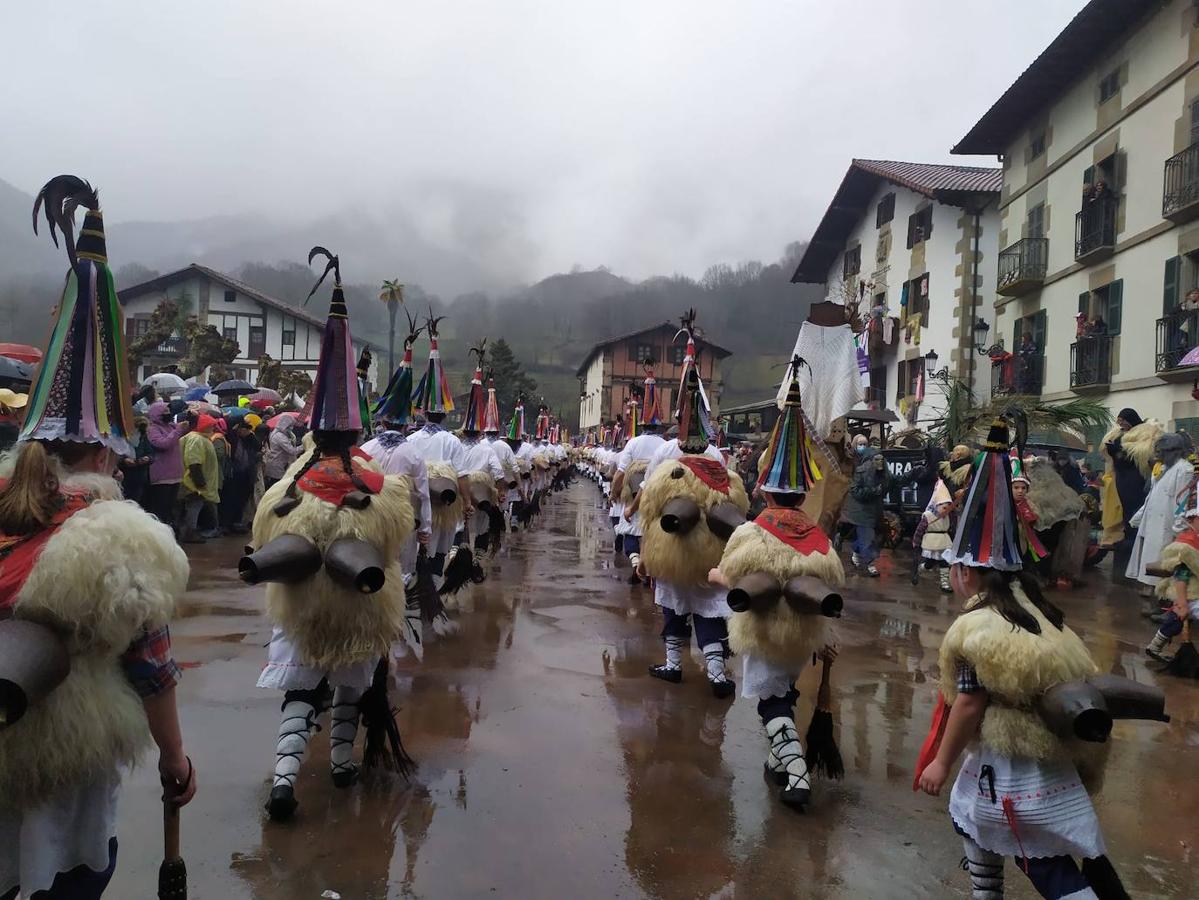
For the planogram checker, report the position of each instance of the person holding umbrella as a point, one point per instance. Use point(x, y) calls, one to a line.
point(166, 469)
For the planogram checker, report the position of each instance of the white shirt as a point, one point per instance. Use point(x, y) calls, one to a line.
point(396, 456)
point(644, 446)
point(478, 456)
point(671, 450)
point(526, 451)
point(504, 454)
point(437, 445)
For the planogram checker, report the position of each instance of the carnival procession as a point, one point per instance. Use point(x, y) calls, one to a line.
point(313, 589)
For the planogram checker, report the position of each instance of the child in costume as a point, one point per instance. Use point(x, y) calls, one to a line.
point(1181, 588)
point(88, 584)
point(1032, 551)
point(1019, 791)
point(331, 531)
point(778, 570)
point(931, 537)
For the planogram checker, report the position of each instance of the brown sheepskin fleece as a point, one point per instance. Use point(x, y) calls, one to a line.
point(1138, 444)
point(445, 517)
point(333, 626)
point(1050, 497)
point(687, 559)
point(781, 636)
point(636, 467)
point(1016, 667)
point(110, 571)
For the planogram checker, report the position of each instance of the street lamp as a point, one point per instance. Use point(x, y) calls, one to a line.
point(931, 372)
point(981, 327)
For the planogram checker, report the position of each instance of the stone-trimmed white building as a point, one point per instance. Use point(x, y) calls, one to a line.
point(919, 239)
point(1099, 210)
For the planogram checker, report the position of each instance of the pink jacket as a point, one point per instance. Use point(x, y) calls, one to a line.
point(167, 465)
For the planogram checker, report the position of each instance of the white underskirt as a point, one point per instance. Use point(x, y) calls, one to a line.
point(285, 669)
point(761, 679)
point(70, 829)
point(1053, 811)
point(700, 600)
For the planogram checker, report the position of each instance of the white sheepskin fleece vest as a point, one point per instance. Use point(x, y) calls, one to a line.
point(1179, 554)
point(782, 636)
point(1016, 667)
point(445, 517)
point(331, 625)
point(109, 571)
point(683, 559)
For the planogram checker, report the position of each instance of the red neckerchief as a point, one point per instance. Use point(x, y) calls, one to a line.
point(328, 480)
point(793, 528)
point(1189, 537)
point(709, 471)
point(19, 552)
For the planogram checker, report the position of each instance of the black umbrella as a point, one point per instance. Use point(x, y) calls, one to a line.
point(14, 372)
point(236, 386)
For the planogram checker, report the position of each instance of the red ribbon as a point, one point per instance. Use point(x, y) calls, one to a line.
point(329, 481)
point(793, 528)
point(712, 473)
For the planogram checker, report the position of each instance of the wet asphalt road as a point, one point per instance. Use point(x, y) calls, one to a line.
point(552, 766)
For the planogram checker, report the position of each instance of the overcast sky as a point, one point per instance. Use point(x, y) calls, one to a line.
point(651, 136)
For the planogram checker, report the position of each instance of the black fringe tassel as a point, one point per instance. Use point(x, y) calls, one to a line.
point(384, 747)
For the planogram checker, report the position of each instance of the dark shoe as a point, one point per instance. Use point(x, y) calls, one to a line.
point(283, 803)
point(192, 538)
point(674, 676)
point(634, 578)
point(796, 798)
point(722, 690)
point(1157, 618)
point(344, 778)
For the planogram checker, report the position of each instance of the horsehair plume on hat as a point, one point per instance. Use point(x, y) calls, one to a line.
point(987, 535)
point(62, 195)
point(333, 265)
point(789, 464)
point(433, 395)
point(334, 403)
point(632, 404)
point(81, 392)
point(475, 400)
point(395, 405)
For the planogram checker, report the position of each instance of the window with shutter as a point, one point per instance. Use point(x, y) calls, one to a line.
point(1017, 332)
point(1115, 306)
point(1039, 328)
point(911, 230)
point(1084, 303)
point(1170, 285)
point(1036, 221)
point(885, 212)
point(1194, 122)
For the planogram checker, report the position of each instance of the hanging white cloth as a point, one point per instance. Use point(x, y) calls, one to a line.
point(831, 351)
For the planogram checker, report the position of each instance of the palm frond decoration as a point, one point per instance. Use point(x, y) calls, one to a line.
point(966, 420)
point(392, 292)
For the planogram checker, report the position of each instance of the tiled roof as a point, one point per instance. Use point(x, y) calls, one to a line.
point(700, 344)
point(1099, 25)
point(931, 178)
point(954, 185)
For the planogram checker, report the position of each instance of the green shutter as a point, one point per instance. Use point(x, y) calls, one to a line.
point(1039, 326)
point(1089, 175)
point(1115, 306)
point(1017, 329)
point(1084, 303)
point(1170, 289)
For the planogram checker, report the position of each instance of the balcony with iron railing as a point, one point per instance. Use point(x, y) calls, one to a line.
point(1177, 336)
point(1091, 363)
point(1180, 185)
point(1017, 373)
point(1095, 228)
point(1022, 266)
